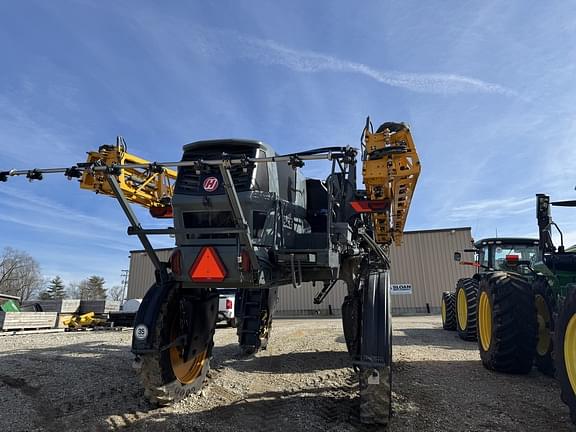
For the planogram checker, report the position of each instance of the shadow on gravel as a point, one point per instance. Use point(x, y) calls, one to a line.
point(290, 363)
point(436, 337)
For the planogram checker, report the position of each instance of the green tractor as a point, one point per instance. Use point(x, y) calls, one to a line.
point(491, 256)
point(527, 315)
point(558, 269)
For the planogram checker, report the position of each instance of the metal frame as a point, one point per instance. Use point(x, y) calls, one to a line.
point(242, 226)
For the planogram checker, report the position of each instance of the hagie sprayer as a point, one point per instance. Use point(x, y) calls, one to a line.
point(245, 217)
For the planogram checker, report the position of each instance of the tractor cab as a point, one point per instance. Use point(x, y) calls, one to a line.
point(504, 253)
point(507, 254)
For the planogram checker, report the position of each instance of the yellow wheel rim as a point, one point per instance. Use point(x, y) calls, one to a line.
point(543, 315)
point(443, 312)
point(462, 309)
point(185, 371)
point(570, 351)
point(485, 321)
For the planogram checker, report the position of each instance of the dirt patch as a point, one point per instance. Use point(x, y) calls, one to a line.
point(302, 382)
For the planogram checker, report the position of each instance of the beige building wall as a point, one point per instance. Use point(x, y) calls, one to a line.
point(424, 261)
point(141, 273)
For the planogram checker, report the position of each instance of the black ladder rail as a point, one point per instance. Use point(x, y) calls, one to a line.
point(136, 229)
point(244, 232)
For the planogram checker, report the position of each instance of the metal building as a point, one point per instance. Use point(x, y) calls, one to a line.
point(422, 268)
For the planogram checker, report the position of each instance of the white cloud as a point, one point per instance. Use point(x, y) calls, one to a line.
point(50, 217)
point(492, 209)
point(37, 206)
point(221, 45)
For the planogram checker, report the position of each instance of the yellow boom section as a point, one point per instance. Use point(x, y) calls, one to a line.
point(391, 168)
point(151, 189)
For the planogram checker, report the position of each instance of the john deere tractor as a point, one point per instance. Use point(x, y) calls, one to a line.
point(555, 290)
point(526, 312)
point(502, 256)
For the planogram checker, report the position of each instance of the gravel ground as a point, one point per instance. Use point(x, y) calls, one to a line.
point(84, 381)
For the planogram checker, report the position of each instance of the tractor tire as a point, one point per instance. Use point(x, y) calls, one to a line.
point(351, 323)
point(545, 304)
point(565, 343)
point(166, 377)
point(466, 295)
point(391, 126)
point(254, 310)
point(507, 326)
point(448, 309)
point(376, 351)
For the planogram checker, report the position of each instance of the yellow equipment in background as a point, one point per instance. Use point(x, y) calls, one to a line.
point(391, 168)
point(86, 320)
point(151, 187)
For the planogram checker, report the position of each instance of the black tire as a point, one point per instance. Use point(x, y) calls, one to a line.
point(391, 126)
point(565, 343)
point(247, 350)
point(254, 309)
point(507, 317)
point(232, 323)
point(466, 294)
point(376, 348)
point(448, 307)
point(161, 386)
point(545, 303)
point(351, 323)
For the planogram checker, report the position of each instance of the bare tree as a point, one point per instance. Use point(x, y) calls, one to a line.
point(73, 290)
point(116, 293)
point(19, 274)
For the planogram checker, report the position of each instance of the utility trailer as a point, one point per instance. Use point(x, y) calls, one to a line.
point(245, 217)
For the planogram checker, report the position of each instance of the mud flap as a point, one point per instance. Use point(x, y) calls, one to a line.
point(376, 351)
point(143, 336)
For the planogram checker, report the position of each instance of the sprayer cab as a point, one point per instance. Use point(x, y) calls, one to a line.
point(242, 210)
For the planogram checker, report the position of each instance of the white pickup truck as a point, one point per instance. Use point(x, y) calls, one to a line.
point(226, 302)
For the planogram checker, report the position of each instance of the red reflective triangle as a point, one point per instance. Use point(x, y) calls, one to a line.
point(208, 267)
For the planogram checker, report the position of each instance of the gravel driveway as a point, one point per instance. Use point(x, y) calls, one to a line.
point(84, 381)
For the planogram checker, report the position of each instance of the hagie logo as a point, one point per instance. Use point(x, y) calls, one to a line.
point(210, 184)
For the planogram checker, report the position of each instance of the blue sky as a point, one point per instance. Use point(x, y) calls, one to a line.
point(487, 87)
